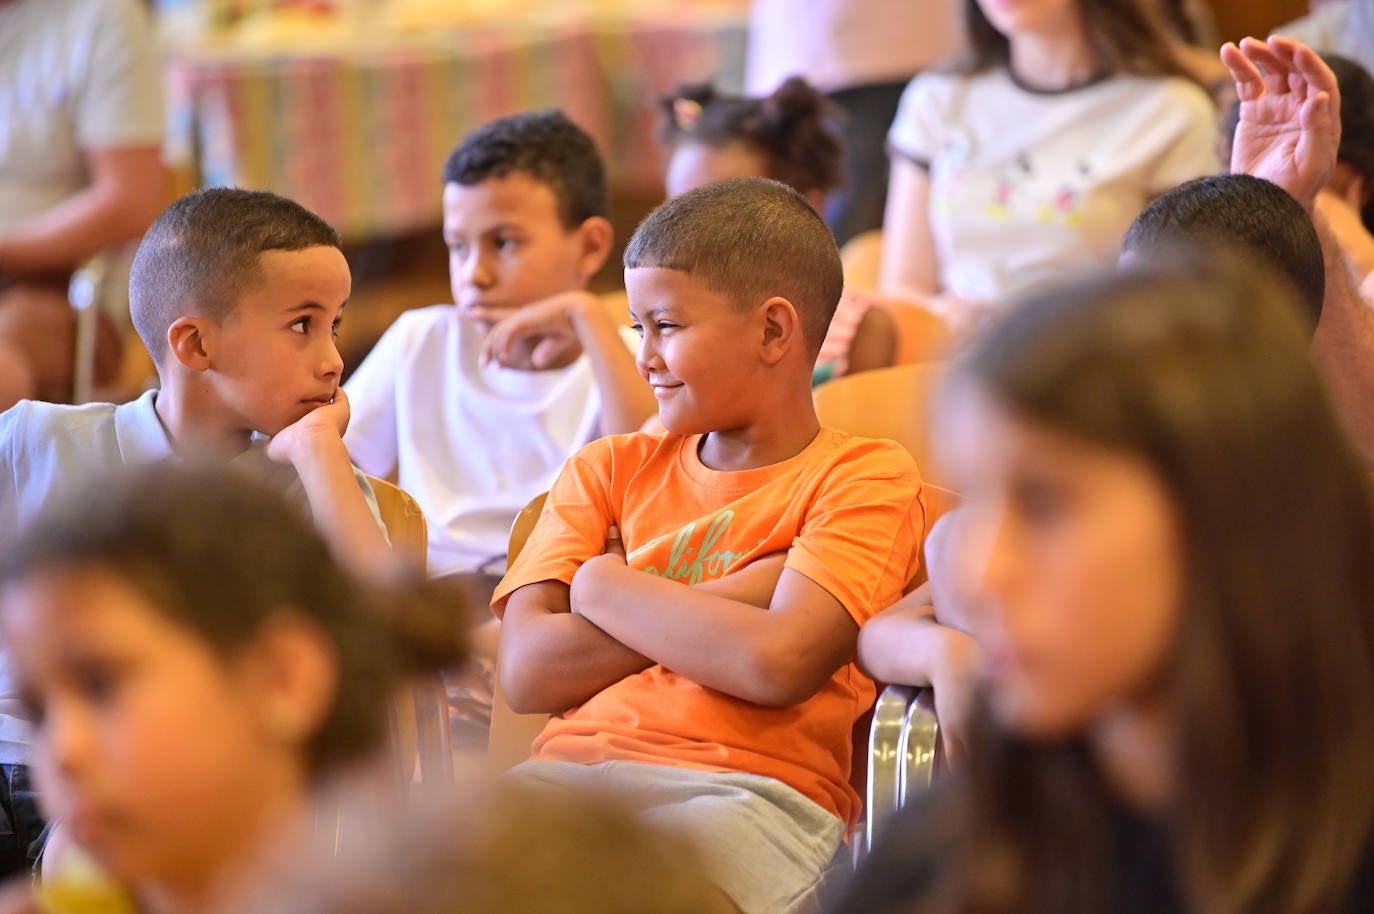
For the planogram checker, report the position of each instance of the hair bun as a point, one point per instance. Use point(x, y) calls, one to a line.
point(796, 100)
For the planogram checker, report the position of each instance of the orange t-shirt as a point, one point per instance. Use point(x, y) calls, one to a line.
point(850, 515)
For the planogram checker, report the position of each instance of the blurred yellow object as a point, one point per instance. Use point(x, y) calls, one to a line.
point(75, 884)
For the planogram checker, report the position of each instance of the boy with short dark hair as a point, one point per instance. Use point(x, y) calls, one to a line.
point(472, 407)
point(1241, 211)
point(704, 671)
point(237, 295)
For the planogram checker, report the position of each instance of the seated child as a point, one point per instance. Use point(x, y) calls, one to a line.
point(791, 136)
point(922, 640)
point(237, 295)
point(195, 663)
point(473, 407)
point(687, 605)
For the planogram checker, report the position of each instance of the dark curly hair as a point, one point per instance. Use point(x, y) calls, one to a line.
point(547, 147)
point(796, 127)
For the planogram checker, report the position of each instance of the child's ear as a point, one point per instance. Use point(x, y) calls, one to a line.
point(190, 341)
point(782, 329)
point(596, 237)
point(295, 671)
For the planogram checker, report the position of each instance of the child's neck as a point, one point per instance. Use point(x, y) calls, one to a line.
point(1054, 59)
point(195, 421)
point(243, 846)
point(776, 435)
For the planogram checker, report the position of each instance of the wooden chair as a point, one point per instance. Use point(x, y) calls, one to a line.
point(512, 733)
point(420, 728)
point(887, 403)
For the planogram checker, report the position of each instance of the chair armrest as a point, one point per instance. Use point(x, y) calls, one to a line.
point(903, 749)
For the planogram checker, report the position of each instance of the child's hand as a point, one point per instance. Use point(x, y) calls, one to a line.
point(324, 424)
point(538, 337)
point(955, 680)
point(1290, 124)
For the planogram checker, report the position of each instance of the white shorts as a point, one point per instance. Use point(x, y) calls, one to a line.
point(763, 843)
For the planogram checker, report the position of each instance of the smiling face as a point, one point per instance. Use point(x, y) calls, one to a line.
point(698, 351)
point(149, 746)
point(507, 245)
point(1071, 554)
point(273, 358)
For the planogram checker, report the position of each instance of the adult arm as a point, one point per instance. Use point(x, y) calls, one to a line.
point(128, 188)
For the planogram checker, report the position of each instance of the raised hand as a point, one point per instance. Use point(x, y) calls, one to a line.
point(1290, 124)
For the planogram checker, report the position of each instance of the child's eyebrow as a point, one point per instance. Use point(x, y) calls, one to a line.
point(312, 306)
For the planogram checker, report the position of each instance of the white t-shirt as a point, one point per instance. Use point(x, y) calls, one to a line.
point(472, 444)
point(1026, 186)
point(839, 44)
point(1339, 27)
point(74, 75)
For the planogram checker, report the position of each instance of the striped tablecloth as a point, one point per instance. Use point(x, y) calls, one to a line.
point(360, 135)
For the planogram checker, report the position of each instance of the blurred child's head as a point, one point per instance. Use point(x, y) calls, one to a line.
point(499, 850)
point(1169, 537)
point(194, 660)
point(728, 284)
point(1240, 211)
point(790, 136)
point(245, 289)
point(1124, 36)
point(524, 213)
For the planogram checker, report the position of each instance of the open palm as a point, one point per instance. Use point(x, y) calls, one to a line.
point(1290, 126)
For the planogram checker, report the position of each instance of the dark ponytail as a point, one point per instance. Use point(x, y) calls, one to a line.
point(796, 128)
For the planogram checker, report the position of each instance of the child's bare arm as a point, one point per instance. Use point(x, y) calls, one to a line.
point(314, 446)
point(875, 341)
point(568, 321)
point(550, 659)
point(777, 656)
point(905, 644)
point(755, 583)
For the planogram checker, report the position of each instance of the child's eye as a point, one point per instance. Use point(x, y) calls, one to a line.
point(457, 249)
point(334, 328)
point(665, 325)
point(300, 325)
point(506, 244)
point(35, 709)
point(638, 328)
point(96, 683)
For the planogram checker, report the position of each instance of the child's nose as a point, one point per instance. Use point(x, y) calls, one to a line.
point(476, 271)
point(65, 740)
point(332, 363)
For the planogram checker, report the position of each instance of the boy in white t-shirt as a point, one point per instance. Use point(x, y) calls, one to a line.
point(473, 407)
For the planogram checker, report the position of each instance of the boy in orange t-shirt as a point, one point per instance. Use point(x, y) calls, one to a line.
point(705, 674)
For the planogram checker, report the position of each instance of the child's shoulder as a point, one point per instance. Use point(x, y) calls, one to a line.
point(877, 458)
point(631, 449)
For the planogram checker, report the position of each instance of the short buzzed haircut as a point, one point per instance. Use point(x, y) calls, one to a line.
point(748, 239)
point(202, 253)
point(545, 146)
point(1243, 212)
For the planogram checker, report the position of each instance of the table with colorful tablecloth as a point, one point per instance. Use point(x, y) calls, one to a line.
point(359, 134)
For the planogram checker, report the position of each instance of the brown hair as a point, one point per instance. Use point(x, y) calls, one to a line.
point(1200, 367)
point(1125, 37)
point(224, 556)
point(748, 239)
point(500, 849)
point(796, 128)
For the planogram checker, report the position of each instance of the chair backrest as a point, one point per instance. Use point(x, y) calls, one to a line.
point(922, 335)
point(512, 733)
point(860, 257)
point(419, 719)
point(403, 519)
point(886, 403)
